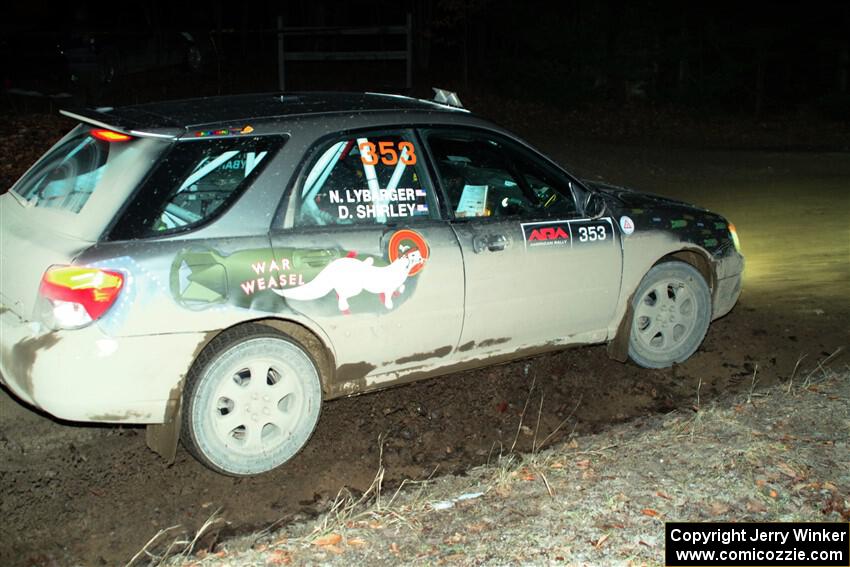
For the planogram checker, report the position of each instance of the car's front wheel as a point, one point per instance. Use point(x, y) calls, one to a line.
point(671, 313)
point(251, 401)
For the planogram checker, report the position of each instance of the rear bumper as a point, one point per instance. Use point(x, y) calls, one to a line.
point(85, 375)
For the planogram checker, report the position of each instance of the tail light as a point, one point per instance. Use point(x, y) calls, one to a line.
point(109, 135)
point(74, 296)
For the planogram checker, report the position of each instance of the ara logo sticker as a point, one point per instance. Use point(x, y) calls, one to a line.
point(548, 233)
point(627, 225)
point(554, 233)
point(350, 276)
point(570, 233)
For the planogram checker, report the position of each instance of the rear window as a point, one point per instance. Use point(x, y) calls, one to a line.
point(195, 182)
point(67, 177)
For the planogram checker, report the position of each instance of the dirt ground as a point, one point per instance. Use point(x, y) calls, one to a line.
point(95, 495)
point(773, 454)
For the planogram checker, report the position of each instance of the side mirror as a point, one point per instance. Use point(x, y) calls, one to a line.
point(594, 205)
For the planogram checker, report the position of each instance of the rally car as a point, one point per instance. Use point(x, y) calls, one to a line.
point(216, 268)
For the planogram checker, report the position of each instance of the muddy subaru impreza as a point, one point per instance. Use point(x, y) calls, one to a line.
point(216, 268)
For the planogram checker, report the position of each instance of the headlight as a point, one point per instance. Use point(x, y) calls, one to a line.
point(734, 234)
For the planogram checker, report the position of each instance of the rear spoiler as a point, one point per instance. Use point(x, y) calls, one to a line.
point(102, 119)
point(447, 98)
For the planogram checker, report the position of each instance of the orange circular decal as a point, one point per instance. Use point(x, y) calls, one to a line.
point(406, 241)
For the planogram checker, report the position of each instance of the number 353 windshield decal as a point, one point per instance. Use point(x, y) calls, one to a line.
point(568, 233)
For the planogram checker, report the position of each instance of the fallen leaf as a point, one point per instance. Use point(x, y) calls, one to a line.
point(279, 557)
point(773, 493)
point(356, 542)
point(755, 506)
point(663, 495)
point(478, 527)
point(331, 539)
point(557, 465)
point(760, 482)
point(599, 543)
point(718, 508)
point(394, 548)
point(786, 469)
point(649, 512)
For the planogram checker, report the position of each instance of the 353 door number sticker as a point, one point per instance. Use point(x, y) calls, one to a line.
point(592, 233)
point(569, 233)
point(388, 153)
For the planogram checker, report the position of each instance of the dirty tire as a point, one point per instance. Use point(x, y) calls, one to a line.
point(672, 310)
point(252, 401)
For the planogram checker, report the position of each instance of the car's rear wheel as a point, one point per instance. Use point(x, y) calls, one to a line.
point(671, 313)
point(252, 401)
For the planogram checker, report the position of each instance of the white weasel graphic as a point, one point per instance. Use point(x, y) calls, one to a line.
point(350, 276)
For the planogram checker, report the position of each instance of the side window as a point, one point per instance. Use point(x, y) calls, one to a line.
point(485, 178)
point(193, 183)
point(365, 179)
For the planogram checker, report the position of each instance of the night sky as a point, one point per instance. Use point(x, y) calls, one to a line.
point(753, 58)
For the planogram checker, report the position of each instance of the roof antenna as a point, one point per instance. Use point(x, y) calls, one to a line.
point(448, 98)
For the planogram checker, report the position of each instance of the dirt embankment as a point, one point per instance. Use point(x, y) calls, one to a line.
point(775, 454)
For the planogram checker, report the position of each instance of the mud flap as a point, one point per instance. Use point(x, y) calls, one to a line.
point(618, 348)
point(162, 438)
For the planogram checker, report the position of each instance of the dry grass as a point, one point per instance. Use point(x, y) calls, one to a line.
point(771, 454)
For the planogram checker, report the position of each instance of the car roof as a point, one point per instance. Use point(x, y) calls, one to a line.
point(171, 117)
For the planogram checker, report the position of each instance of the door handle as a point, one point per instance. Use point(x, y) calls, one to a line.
point(491, 242)
point(313, 258)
